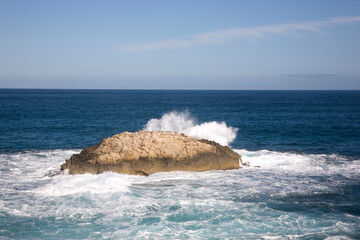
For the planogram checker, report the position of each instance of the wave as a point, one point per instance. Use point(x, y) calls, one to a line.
point(301, 163)
point(284, 184)
point(183, 122)
point(107, 182)
point(30, 169)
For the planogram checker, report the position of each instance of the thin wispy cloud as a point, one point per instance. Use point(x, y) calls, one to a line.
point(310, 75)
point(235, 34)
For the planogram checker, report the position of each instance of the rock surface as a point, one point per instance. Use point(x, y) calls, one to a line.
point(144, 153)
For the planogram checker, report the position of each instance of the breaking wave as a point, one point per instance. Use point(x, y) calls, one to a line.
point(277, 195)
point(183, 122)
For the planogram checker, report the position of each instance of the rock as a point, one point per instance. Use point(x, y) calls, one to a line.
point(144, 153)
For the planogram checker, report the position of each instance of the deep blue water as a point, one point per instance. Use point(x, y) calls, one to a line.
point(305, 142)
point(300, 121)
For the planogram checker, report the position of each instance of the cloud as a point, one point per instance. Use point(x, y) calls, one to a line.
point(310, 75)
point(235, 34)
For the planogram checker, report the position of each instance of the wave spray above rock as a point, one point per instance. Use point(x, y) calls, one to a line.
point(183, 122)
point(147, 152)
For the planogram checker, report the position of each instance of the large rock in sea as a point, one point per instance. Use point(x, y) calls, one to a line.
point(144, 153)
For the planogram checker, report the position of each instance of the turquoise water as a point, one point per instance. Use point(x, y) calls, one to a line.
point(302, 183)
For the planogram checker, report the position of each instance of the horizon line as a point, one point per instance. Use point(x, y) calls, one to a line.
point(174, 89)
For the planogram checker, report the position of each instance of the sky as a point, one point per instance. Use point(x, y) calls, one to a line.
point(198, 44)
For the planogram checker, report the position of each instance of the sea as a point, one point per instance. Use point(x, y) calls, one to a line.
point(302, 181)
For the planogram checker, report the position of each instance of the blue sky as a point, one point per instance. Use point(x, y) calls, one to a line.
point(204, 44)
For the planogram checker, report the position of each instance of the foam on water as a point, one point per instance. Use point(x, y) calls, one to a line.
point(183, 122)
point(315, 164)
point(290, 196)
point(86, 183)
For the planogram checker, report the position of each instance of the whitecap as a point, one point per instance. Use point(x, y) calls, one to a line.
point(183, 122)
point(107, 182)
point(301, 163)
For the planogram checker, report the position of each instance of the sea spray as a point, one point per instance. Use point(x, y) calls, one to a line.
point(276, 200)
point(183, 122)
point(300, 163)
point(108, 182)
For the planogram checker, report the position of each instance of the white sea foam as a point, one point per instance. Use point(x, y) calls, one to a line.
point(32, 164)
point(247, 201)
point(87, 183)
point(281, 164)
point(28, 168)
point(315, 164)
point(337, 238)
point(183, 122)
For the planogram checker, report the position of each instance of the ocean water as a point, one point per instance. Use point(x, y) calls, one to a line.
point(303, 181)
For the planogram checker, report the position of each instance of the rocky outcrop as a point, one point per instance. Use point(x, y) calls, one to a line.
point(144, 153)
